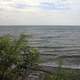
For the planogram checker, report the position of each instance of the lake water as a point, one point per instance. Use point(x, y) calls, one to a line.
point(53, 42)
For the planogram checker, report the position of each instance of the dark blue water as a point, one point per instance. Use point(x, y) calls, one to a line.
point(53, 42)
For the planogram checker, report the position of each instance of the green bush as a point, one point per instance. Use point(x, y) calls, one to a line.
point(17, 58)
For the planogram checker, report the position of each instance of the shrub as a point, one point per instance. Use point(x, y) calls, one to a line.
point(17, 58)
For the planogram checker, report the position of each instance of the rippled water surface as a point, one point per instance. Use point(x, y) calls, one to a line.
point(53, 42)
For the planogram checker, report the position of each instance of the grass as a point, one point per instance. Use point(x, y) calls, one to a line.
point(63, 73)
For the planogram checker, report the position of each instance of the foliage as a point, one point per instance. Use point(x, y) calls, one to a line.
point(16, 57)
point(63, 74)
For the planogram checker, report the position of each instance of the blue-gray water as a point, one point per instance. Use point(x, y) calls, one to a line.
point(53, 42)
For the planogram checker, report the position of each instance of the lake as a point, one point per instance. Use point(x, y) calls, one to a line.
point(53, 42)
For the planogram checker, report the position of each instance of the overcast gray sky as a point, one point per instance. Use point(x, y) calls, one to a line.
point(65, 12)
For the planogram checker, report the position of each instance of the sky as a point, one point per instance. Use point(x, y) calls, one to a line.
point(39, 12)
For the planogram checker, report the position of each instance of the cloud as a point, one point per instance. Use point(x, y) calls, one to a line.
point(6, 5)
point(48, 6)
point(40, 12)
point(35, 5)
